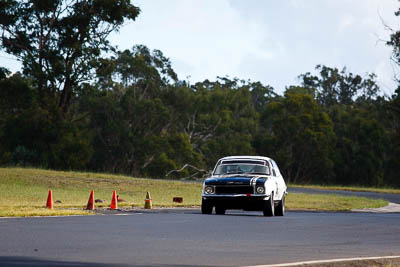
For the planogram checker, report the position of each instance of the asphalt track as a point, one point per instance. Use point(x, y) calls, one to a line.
point(188, 238)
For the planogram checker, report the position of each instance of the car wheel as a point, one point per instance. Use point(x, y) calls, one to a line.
point(268, 206)
point(280, 209)
point(220, 210)
point(206, 207)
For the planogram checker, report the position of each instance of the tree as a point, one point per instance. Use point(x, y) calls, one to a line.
point(260, 95)
point(394, 42)
point(131, 115)
point(147, 71)
point(361, 147)
point(392, 119)
point(338, 87)
point(32, 135)
point(58, 42)
point(298, 134)
point(223, 120)
point(16, 95)
point(392, 167)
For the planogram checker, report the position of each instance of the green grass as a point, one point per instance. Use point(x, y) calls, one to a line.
point(350, 188)
point(299, 201)
point(24, 193)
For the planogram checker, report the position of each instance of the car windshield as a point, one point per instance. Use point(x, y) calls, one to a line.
point(241, 168)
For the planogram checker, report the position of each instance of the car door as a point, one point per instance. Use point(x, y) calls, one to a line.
point(280, 183)
point(275, 180)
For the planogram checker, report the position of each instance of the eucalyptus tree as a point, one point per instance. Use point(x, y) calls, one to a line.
point(331, 86)
point(299, 135)
point(392, 168)
point(393, 162)
point(59, 41)
point(134, 108)
point(393, 114)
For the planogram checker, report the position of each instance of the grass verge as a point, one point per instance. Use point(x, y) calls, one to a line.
point(24, 193)
point(300, 201)
point(350, 188)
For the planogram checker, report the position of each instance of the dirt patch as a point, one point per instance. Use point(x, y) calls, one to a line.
point(128, 210)
point(362, 263)
point(392, 207)
point(388, 261)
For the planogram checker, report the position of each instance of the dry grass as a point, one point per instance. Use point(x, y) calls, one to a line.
point(351, 188)
point(24, 193)
point(331, 202)
point(360, 263)
point(24, 189)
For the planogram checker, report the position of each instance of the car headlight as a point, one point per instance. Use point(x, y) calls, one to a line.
point(209, 190)
point(260, 190)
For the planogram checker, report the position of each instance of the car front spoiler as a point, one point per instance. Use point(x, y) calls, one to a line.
point(253, 196)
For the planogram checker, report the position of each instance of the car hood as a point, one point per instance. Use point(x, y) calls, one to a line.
point(234, 180)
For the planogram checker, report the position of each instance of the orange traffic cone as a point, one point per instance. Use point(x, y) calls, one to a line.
point(49, 203)
point(90, 204)
point(147, 202)
point(114, 203)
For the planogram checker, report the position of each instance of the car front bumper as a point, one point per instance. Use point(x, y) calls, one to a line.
point(237, 201)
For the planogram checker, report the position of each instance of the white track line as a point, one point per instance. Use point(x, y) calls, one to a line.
point(325, 261)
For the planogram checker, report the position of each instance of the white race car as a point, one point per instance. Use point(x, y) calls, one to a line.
point(252, 183)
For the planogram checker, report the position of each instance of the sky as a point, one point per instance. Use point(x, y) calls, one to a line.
point(268, 41)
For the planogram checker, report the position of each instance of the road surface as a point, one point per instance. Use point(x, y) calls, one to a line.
point(188, 238)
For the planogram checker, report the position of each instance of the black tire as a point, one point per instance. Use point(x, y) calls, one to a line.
point(206, 207)
point(220, 210)
point(280, 209)
point(269, 206)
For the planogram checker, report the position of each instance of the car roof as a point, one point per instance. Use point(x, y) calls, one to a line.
point(245, 157)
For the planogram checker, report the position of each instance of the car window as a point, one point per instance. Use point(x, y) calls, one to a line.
point(241, 168)
point(276, 168)
point(273, 169)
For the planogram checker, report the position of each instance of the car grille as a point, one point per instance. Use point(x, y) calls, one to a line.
point(234, 189)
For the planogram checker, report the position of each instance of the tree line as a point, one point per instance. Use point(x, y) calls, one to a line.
point(81, 104)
